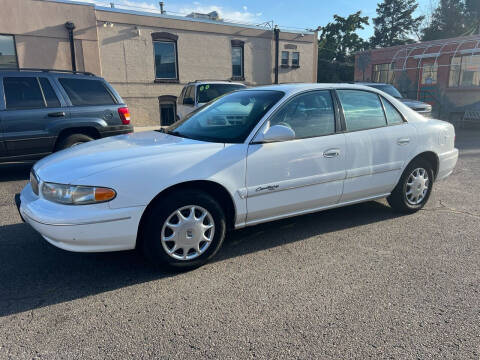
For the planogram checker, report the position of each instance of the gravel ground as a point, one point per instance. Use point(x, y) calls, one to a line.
point(357, 282)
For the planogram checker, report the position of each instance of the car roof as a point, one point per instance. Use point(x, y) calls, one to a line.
point(293, 88)
point(371, 83)
point(203, 82)
point(36, 72)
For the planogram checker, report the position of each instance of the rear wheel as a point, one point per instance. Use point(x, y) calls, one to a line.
point(184, 230)
point(414, 188)
point(72, 140)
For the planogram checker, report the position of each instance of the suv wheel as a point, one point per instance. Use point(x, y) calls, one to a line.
point(184, 230)
point(72, 140)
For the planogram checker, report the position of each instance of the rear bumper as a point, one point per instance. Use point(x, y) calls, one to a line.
point(447, 162)
point(116, 130)
point(85, 228)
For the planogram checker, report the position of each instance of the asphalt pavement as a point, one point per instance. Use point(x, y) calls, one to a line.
point(357, 282)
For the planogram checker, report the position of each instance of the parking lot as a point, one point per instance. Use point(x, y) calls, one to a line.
point(356, 282)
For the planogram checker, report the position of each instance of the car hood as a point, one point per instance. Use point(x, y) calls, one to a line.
point(414, 104)
point(97, 156)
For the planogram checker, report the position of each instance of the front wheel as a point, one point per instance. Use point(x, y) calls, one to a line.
point(414, 188)
point(184, 230)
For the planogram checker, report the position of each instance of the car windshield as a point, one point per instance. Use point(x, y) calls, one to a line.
point(389, 89)
point(229, 119)
point(208, 92)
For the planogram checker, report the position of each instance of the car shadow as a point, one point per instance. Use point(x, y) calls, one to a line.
point(15, 171)
point(34, 274)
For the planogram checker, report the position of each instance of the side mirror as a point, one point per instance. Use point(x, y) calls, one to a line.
point(188, 101)
point(275, 133)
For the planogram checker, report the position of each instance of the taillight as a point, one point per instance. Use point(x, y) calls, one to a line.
point(124, 115)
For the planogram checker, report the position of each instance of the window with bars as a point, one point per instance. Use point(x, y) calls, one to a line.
point(383, 73)
point(429, 74)
point(464, 71)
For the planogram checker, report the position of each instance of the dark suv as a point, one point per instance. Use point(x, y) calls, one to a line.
point(42, 111)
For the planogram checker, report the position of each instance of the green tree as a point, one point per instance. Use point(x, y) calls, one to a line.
point(453, 18)
point(339, 40)
point(472, 8)
point(395, 23)
point(448, 20)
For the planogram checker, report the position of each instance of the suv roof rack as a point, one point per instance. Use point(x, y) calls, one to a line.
point(49, 70)
point(228, 80)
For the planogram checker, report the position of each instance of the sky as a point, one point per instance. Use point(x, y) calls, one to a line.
point(295, 14)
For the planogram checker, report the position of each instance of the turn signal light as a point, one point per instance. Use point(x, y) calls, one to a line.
point(124, 115)
point(104, 194)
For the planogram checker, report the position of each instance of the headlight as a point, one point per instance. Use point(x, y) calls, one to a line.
point(34, 182)
point(76, 194)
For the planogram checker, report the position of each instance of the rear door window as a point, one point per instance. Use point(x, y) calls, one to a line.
point(363, 109)
point(22, 93)
point(84, 92)
point(50, 97)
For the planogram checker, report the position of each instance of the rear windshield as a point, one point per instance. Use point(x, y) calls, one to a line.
point(389, 89)
point(84, 92)
point(208, 92)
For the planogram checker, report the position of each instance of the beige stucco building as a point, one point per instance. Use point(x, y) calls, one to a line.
point(147, 55)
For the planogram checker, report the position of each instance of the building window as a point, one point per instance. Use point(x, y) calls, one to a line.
point(237, 60)
point(166, 62)
point(285, 56)
point(383, 73)
point(465, 71)
point(429, 74)
point(8, 54)
point(295, 59)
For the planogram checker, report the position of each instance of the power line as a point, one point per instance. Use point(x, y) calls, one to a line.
point(156, 9)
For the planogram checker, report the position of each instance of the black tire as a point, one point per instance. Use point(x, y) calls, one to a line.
point(151, 243)
point(398, 199)
point(72, 140)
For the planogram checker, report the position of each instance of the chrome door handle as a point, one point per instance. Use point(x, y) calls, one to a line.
point(331, 153)
point(403, 141)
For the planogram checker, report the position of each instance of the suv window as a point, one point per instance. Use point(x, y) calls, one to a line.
point(189, 94)
point(362, 109)
point(180, 98)
point(50, 96)
point(22, 93)
point(86, 92)
point(308, 115)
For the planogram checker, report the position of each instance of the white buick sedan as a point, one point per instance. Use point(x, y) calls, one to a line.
point(249, 157)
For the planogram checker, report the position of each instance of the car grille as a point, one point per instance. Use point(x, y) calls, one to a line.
point(34, 182)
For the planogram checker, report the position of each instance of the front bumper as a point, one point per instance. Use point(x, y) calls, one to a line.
point(81, 228)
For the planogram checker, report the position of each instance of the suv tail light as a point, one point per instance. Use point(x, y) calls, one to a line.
point(124, 115)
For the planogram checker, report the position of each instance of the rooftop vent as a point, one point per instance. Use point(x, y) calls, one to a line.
point(210, 16)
